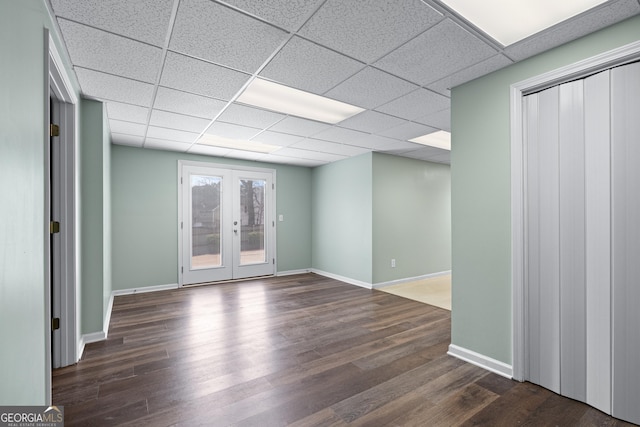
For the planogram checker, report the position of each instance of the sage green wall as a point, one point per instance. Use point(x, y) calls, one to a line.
point(411, 217)
point(144, 191)
point(342, 218)
point(480, 165)
point(94, 218)
point(24, 374)
point(106, 214)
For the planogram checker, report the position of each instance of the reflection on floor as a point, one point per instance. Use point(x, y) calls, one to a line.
point(434, 291)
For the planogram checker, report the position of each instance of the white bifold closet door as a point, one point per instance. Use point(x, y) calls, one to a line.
point(582, 142)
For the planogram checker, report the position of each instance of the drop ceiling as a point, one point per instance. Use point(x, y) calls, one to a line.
point(171, 71)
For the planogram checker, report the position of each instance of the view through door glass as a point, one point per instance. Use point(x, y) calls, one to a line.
point(206, 232)
point(252, 232)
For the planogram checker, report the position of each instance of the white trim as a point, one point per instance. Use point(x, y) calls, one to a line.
point(143, 290)
point(92, 337)
point(343, 278)
point(411, 279)
point(61, 82)
point(59, 89)
point(292, 272)
point(581, 69)
point(493, 365)
point(102, 335)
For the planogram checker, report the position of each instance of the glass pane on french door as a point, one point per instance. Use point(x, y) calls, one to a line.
point(206, 192)
point(252, 237)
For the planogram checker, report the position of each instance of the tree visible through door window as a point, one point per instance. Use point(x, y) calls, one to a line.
point(205, 221)
point(252, 195)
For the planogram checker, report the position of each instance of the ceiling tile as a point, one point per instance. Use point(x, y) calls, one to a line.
point(444, 49)
point(187, 103)
point(163, 144)
point(127, 128)
point(127, 112)
point(416, 104)
point(298, 126)
point(377, 142)
point(351, 26)
point(440, 120)
point(171, 134)
point(102, 51)
point(107, 87)
point(245, 155)
point(122, 139)
point(222, 35)
point(343, 136)
point(144, 20)
point(277, 138)
point(200, 77)
point(329, 147)
point(284, 160)
point(583, 24)
point(370, 88)
point(307, 66)
point(248, 116)
point(487, 66)
point(371, 122)
point(288, 14)
point(308, 154)
point(178, 121)
point(229, 130)
point(384, 144)
point(208, 150)
point(408, 130)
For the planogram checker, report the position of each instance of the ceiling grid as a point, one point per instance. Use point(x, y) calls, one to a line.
point(171, 71)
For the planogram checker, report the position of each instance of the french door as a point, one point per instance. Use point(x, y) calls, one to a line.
point(226, 223)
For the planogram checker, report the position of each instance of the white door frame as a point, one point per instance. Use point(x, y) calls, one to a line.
point(622, 55)
point(271, 242)
point(60, 92)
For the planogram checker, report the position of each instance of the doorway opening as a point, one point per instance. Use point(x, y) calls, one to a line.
point(60, 212)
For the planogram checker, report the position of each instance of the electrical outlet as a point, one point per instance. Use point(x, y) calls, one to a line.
point(393, 262)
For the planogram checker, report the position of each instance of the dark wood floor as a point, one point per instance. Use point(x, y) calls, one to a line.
point(297, 350)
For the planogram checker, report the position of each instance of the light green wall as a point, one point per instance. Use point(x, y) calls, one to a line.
point(342, 218)
point(411, 217)
point(481, 217)
point(94, 219)
point(106, 214)
point(24, 375)
point(144, 191)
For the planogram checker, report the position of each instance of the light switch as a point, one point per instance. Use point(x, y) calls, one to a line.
point(280, 217)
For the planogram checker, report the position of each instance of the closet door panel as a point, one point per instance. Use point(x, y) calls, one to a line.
point(625, 140)
point(573, 360)
point(597, 241)
point(543, 244)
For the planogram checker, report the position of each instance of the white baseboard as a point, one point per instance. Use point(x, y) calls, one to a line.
point(102, 335)
point(292, 272)
point(88, 339)
point(493, 365)
point(411, 279)
point(343, 279)
point(144, 289)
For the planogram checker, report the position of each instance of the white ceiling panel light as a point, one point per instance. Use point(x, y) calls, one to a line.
point(237, 144)
point(518, 20)
point(283, 99)
point(440, 139)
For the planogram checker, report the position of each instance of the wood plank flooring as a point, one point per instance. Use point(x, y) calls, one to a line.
point(299, 350)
